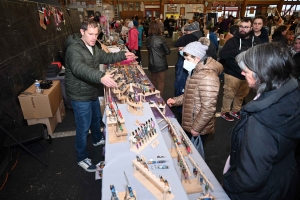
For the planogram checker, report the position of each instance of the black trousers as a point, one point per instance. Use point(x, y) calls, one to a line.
point(138, 54)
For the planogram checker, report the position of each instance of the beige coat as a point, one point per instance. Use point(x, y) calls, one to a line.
point(200, 97)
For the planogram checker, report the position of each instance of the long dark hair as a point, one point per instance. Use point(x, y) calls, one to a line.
point(271, 64)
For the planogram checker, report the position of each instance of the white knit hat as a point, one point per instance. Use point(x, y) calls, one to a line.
point(196, 49)
point(130, 24)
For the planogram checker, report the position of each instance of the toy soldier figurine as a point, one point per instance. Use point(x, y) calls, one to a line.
point(119, 126)
point(152, 123)
point(195, 171)
point(136, 96)
point(185, 174)
point(161, 178)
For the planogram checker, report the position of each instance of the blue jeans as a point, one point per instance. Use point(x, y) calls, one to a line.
point(87, 116)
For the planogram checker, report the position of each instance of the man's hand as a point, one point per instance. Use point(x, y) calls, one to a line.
point(194, 133)
point(170, 102)
point(108, 81)
point(129, 55)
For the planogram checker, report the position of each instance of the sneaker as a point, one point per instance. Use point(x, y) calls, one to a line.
point(227, 116)
point(102, 141)
point(87, 165)
point(235, 114)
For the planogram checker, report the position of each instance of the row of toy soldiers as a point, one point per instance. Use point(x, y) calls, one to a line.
point(144, 132)
point(166, 183)
point(173, 136)
point(186, 144)
point(142, 162)
point(182, 166)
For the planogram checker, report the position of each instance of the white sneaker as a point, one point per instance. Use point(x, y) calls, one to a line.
point(87, 165)
point(102, 141)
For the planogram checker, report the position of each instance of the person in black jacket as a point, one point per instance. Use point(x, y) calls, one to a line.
point(262, 161)
point(259, 30)
point(235, 85)
point(167, 25)
point(157, 48)
point(279, 35)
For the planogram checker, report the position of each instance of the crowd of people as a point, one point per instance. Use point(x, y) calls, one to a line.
point(262, 163)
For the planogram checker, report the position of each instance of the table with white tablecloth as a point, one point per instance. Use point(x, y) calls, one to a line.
point(118, 159)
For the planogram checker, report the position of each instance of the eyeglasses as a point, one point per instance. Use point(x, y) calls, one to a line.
point(244, 27)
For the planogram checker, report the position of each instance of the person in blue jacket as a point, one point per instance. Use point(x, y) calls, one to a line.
point(213, 36)
point(140, 28)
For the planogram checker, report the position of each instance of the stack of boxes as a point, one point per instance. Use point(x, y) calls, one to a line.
point(47, 108)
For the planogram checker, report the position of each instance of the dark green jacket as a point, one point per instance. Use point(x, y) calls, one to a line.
point(82, 68)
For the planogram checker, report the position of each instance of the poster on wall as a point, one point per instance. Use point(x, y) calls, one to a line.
point(171, 7)
point(198, 8)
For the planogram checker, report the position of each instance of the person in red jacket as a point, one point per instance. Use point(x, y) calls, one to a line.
point(133, 34)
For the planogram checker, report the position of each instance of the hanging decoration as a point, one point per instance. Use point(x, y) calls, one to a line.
point(45, 12)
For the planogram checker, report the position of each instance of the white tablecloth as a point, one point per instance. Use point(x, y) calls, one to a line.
point(118, 158)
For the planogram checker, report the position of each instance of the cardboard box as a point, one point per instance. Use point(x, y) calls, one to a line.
point(60, 113)
point(50, 122)
point(36, 106)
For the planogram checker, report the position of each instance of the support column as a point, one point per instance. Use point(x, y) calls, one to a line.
point(243, 8)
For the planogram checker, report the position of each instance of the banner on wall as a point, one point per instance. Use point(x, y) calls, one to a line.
point(198, 8)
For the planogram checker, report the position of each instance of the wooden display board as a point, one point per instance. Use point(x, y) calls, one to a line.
point(122, 195)
point(151, 182)
point(115, 136)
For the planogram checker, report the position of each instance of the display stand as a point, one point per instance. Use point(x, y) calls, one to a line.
point(123, 195)
point(135, 108)
point(200, 174)
point(191, 185)
point(140, 69)
point(156, 93)
point(115, 134)
point(161, 107)
point(133, 148)
point(151, 182)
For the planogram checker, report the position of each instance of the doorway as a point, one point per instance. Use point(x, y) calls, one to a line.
point(182, 11)
point(152, 13)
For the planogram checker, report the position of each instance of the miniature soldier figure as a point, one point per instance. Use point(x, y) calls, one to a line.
point(206, 187)
point(180, 163)
point(185, 174)
point(161, 178)
point(201, 178)
point(152, 123)
point(146, 131)
point(145, 165)
point(148, 126)
point(166, 183)
point(136, 96)
point(140, 133)
point(195, 171)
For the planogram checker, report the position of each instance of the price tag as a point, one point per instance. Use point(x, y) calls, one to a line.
point(154, 144)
